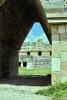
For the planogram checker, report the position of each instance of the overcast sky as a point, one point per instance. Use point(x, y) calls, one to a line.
point(36, 33)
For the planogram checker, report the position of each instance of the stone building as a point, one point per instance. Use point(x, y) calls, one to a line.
point(37, 53)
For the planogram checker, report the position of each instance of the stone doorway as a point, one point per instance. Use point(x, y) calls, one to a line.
point(24, 64)
point(39, 53)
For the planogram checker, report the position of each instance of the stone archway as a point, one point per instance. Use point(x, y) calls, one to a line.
point(16, 19)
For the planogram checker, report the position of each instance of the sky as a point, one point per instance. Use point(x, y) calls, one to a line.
point(36, 33)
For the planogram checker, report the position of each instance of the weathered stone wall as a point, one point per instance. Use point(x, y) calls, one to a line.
point(55, 54)
point(42, 61)
point(63, 40)
point(36, 61)
point(35, 53)
point(52, 6)
point(59, 52)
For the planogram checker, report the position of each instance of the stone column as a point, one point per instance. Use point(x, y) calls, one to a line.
point(63, 39)
point(4, 62)
point(9, 62)
point(55, 55)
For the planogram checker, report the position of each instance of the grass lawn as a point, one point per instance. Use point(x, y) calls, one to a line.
point(59, 90)
point(34, 71)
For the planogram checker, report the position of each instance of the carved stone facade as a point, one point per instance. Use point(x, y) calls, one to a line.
point(37, 53)
point(56, 6)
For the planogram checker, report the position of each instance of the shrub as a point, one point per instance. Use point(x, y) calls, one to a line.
point(57, 90)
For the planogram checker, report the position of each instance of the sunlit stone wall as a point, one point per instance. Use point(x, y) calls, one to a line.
point(55, 54)
point(53, 5)
point(56, 11)
point(59, 52)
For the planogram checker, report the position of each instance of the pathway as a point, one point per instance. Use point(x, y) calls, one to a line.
point(13, 92)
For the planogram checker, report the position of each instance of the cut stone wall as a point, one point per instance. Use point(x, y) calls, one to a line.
point(37, 61)
point(59, 53)
point(55, 55)
point(53, 5)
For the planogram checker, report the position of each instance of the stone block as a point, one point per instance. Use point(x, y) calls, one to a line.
point(54, 29)
point(66, 28)
point(63, 66)
point(45, 53)
point(56, 77)
point(61, 29)
point(64, 56)
point(34, 53)
point(55, 64)
point(63, 71)
point(63, 37)
point(56, 50)
point(55, 38)
point(63, 46)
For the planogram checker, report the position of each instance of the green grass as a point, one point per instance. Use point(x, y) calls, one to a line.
point(59, 90)
point(34, 71)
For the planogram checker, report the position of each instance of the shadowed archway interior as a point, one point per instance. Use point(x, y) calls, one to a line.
point(16, 20)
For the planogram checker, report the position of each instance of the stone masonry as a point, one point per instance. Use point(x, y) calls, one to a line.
point(58, 23)
point(37, 53)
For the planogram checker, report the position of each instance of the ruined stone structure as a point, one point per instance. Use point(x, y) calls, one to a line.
point(56, 11)
point(16, 20)
point(57, 18)
point(37, 53)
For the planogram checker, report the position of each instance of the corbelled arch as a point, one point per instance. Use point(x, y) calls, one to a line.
point(16, 20)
